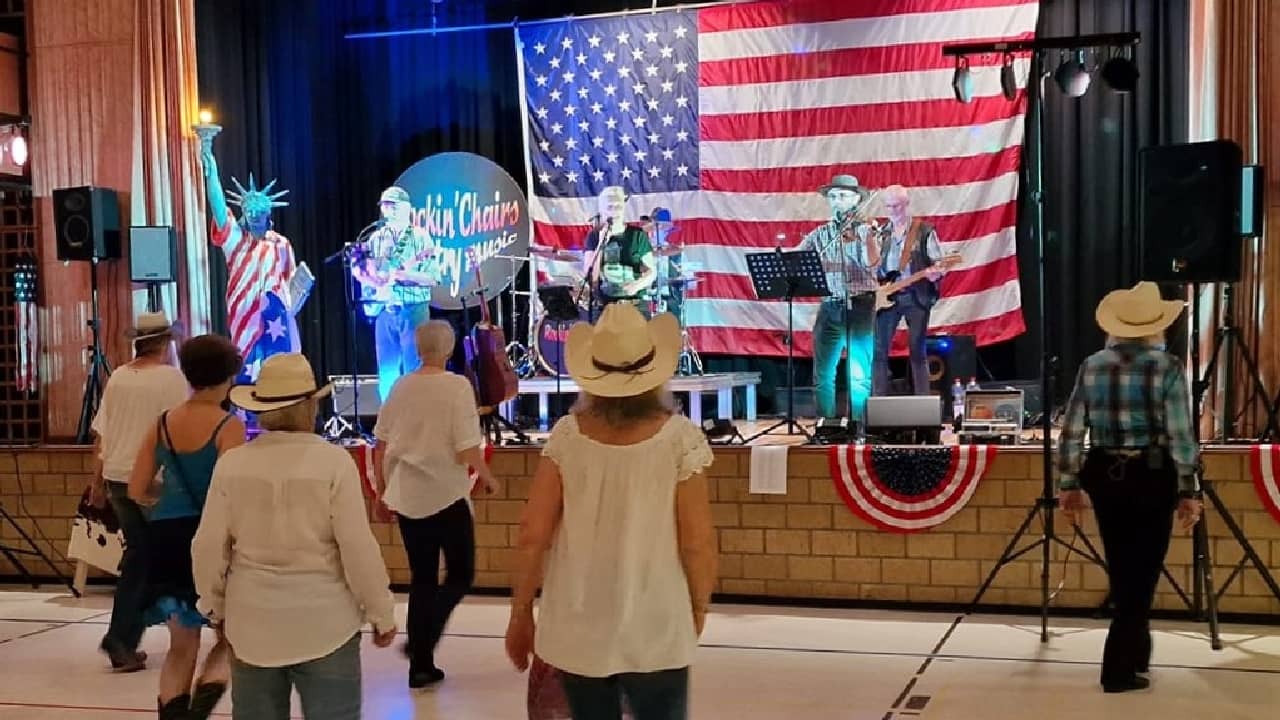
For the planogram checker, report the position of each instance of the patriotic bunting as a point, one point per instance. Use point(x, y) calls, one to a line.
point(908, 489)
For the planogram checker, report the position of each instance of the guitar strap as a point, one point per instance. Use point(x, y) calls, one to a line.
point(909, 246)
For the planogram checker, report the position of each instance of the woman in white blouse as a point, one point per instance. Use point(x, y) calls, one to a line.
point(284, 560)
point(619, 513)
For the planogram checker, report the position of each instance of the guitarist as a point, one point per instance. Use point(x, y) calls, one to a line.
point(399, 269)
point(909, 245)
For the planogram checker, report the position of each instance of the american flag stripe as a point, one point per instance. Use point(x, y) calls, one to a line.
point(253, 271)
point(788, 95)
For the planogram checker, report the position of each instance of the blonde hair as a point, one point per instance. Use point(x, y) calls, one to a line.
point(299, 417)
point(434, 339)
point(621, 411)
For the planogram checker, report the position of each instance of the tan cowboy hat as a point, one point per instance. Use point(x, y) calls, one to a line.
point(285, 379)
point(149, 325)
point(623, 354)
point(1136, 312)
point(845, 182)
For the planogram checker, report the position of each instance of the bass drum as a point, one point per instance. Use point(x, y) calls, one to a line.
point(551, 342)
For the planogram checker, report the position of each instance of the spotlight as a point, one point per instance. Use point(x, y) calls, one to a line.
point(1071, 76)
point(18, 149)
point(962, 82)
point(1008, 82)
point(1120, 73)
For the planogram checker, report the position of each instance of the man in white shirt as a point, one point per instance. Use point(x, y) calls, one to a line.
point(428, 435)
point(134, 398)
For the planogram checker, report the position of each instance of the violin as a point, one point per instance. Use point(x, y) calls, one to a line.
point(860, 216)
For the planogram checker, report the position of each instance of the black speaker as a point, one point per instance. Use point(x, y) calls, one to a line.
point(153, 254)
point(87, 223)
point(1189, 212)
point(950, 357)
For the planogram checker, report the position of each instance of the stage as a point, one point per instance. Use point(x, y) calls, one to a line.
point(803, 545)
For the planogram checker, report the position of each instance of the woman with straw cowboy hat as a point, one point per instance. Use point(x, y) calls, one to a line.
point(618, 510)
point(284, 560)
point(1140, 464)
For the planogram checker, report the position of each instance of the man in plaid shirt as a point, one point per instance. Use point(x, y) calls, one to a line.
point(1141, 463)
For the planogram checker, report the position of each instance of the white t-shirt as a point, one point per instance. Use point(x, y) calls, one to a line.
point(615, 598)
point(131, 403)
point(425, 422)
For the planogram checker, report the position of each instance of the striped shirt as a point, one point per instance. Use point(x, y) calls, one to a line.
point(255, 267)
point(842, 260)
point(1129, 396)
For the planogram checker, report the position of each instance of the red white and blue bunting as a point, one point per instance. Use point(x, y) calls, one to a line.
point(1266, 469)
point(908, 489)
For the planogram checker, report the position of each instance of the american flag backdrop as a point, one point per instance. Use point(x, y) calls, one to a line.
point(734, 116)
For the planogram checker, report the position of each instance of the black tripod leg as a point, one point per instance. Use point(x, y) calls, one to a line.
point(35, 550)
point(1242, 539)
point(1006, 557)
point(22, 569)
point(1204, 579)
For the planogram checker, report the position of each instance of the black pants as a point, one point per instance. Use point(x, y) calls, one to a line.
point(917, 316)
point(431, 603)
point(1134, 506)
point(661, 695)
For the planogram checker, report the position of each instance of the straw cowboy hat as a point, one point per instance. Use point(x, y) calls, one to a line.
point(149, 325)
point(285, 379)
point(623, 354)
point(1136, 312)
point(845, 182)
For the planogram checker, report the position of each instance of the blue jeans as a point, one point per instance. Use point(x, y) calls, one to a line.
point(661, 695)
point(329, 687)
point(829, 340)
point(125, 630)
point(396, 344)
point(917, 316)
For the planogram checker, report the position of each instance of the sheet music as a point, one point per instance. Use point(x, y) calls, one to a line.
point(300, 286)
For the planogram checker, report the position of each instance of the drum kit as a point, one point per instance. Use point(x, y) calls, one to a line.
point(544, 351)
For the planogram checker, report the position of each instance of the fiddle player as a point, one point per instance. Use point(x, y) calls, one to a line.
point(846, 318)
point(619, 259)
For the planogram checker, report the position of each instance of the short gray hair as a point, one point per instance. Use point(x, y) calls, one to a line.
point(1156, 340)
point(435, 338)
point(299, 417)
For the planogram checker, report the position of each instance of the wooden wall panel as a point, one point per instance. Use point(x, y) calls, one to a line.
point(82, 134)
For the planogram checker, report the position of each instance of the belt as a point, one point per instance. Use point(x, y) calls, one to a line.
point(1126, 453)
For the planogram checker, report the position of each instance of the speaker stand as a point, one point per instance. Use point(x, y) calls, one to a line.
point(99, 368)
point(1228, 339)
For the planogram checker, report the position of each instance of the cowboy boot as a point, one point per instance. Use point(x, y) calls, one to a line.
point(176, 709)
point(205, 699)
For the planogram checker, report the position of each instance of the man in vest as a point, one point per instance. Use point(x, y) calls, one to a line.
point(909, 245)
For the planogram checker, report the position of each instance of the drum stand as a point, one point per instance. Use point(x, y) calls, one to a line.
point(690, 363)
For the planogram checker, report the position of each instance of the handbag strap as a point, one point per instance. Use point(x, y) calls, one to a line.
point(177, 461)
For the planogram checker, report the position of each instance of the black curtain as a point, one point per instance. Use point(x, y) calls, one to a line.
point(1090, 173)
point(337, 120)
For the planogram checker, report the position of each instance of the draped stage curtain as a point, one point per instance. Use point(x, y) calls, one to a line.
point(167, 182)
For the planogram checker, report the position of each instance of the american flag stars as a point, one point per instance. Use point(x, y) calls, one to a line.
point(617, 96)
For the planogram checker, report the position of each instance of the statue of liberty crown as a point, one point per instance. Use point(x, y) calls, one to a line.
point(254, 201)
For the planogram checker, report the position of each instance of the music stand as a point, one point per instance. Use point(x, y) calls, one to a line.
point(786, 276)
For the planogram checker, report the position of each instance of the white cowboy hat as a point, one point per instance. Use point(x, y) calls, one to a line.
point(623, 354)
point(149, 325)
point(285, 379)
point(1136, 312)
point(845, 182)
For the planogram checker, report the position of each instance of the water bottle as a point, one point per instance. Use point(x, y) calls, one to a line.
point(957, 402)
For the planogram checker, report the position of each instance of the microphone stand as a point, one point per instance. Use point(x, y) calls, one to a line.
point(337, 425)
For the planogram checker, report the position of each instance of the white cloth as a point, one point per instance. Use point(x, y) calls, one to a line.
point(425, 422)
point(132, 401)
point(768, 470)
point(284, 553)
point(615, 598)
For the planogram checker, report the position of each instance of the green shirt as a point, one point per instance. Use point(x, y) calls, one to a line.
point(621, 262)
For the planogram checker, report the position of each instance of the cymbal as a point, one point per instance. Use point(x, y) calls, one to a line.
point(668, 250)
point(549, 253)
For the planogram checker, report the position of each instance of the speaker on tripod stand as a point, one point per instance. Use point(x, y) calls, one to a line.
point(87, 225)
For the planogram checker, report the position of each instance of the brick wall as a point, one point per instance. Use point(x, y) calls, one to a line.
point(805, 544)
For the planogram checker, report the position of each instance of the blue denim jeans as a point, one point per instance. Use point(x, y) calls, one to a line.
point(829, 341)
point(917, 317)
point(396, 344)
point(661, 695)
point(329, 687)
point(125, 630)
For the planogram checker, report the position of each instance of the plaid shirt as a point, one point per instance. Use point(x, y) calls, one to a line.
point(1129, 396)
point(834, 251)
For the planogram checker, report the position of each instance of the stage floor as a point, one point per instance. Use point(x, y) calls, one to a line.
point(804, 663)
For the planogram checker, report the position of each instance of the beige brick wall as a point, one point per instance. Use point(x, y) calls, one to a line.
point(805, 544)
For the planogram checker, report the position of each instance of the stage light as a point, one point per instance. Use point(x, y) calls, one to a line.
point(962, 82)
point(835, 431)
point(1121, 73)
point(944, 344)
point(206, 116)
point(1072, 76)
point(1008, 81)
point(721, 432)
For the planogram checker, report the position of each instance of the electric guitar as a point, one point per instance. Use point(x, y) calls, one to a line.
point(894, 284)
